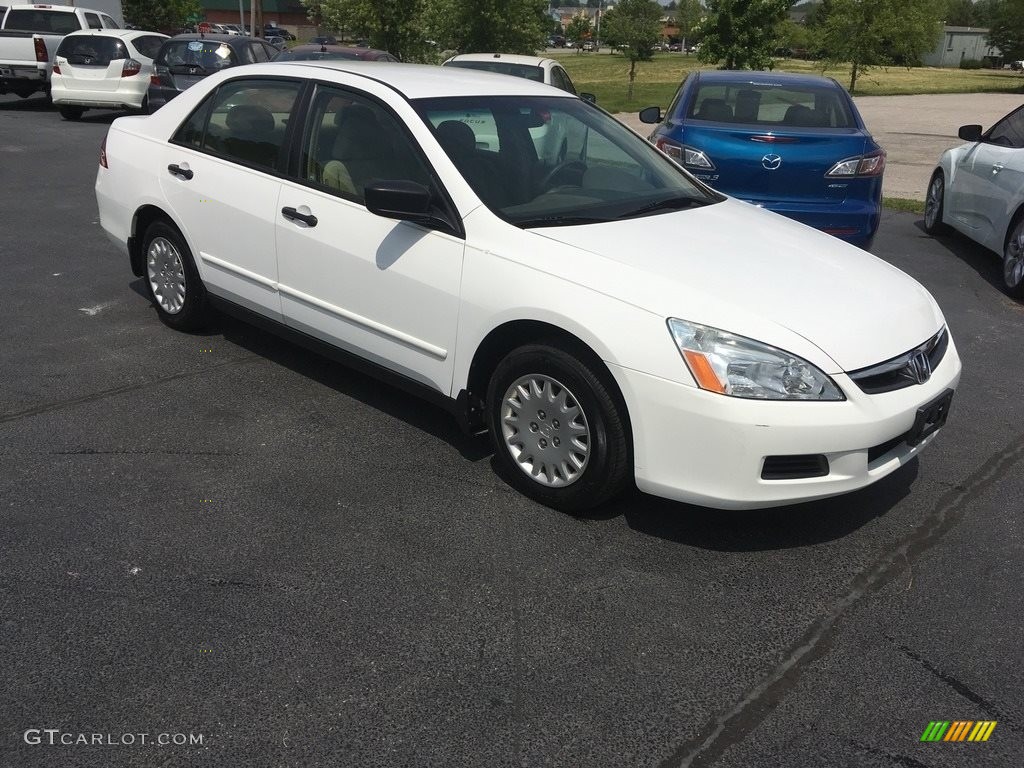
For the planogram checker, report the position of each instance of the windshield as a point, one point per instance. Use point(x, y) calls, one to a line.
point(527, 71)
point(549, 161)
point(770, 105)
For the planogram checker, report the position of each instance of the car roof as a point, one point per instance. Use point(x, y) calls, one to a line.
point(766, 78)
point(128, 33)
point(512, 58)
point(424, 81)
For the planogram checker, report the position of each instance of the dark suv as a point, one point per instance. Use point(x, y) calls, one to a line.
point(184, 60)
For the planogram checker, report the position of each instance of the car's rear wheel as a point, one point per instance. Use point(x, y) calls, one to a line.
point(72, 113)
point(172, 279)
point(934, 205)
point(1013, 259)
point(559, 428)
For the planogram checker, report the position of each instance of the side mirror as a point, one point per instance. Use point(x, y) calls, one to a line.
point(651, 115)
point(589, 97)
point(970, 132)
point(398, 199)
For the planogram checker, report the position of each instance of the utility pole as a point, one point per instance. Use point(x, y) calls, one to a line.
point(241, 15)
point(256, 16)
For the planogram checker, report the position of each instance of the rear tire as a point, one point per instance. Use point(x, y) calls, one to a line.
point(935, 205)
point(71, 113)
point(172, 280)
point(559, 428)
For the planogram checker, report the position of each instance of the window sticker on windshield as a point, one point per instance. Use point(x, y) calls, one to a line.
point(195, 45)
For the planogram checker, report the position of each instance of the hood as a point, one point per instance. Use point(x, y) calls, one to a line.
point(746, 270)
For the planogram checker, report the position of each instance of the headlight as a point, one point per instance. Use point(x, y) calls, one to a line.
point(735, 365)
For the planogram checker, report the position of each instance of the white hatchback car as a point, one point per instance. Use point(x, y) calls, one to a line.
point(103, 69)
point(608, 320)
point(978, 189)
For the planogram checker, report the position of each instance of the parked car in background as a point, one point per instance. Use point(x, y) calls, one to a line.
point(676, 47)
point(978, 190)
point(103, 69)
point(339, 204)
point(550, 137)
point(29, 36)
point(588, 46)
point(184, 60)
point(277, 41)
point(794, 144)
point(271, 30)
point(317, 52)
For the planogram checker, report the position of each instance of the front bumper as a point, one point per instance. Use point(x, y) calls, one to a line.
point(708, 449)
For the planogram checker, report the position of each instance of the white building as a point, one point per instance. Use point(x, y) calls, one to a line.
point(958, 44)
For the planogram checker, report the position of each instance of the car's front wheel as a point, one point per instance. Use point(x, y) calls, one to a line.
point(172, 279)
point(559, 427)
point(934, 205)
point(1013, 260)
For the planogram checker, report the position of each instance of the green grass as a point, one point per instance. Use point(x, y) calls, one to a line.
point(607, 76)
point(903, 205)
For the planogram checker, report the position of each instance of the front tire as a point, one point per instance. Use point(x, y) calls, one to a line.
point(1013, 259)
point(934, 205)
point(172, 279)
point(72, 113)
point(559, 428)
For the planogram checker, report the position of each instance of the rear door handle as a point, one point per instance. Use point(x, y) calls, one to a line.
point(183, 172)
point(306, 218)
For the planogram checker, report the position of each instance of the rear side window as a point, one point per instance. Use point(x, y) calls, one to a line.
point(244, 122)
point(207, 55)
point(148, 45)
point(91, 49)
point(93, 21)
point(771, 105)
point(36, 20)
point(109, 23)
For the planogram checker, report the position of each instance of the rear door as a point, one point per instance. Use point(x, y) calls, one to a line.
point(91, 62)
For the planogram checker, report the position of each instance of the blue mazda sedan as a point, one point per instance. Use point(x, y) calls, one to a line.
point(794, 144)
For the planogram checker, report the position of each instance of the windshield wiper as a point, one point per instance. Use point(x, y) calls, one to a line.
point(669, 204)
point(560, 221)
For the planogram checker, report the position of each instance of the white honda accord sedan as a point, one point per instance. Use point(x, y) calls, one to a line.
point(607, 318)
point(978, 189)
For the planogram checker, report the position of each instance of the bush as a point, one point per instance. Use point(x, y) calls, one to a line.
point(970, 63)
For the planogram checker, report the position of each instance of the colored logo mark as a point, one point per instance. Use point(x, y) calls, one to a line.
point(958, 730)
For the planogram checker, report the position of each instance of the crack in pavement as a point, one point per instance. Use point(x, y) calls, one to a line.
point(953, 683)
point(104, 393)
point(735, 724)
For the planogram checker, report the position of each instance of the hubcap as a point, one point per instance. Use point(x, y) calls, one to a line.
point(545, 430)
point(931, 205)
point(1013, 259)
point(166, 275)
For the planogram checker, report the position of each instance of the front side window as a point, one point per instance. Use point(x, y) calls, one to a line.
point(93, 20)
point(109, 23)
point(561, 80)
point(771, 105)
point(1009, 132)
point(550, 161)
point(259, 53)
point(244, 122)
point(351, 141)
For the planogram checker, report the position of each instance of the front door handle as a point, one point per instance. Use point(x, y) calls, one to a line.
point(178, 170)
point(306, 218)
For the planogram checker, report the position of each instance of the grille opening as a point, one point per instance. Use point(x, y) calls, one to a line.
point(891, 374)
point(794, 467)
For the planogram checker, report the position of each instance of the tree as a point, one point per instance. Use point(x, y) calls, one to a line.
point(391, 25)
point(637, 25)
point(688, 14)
point(960, 13)
point(1007, 30)
point(502, 26)
point(741, 33)
point(578, 27)
point(160, 14)
point(869, 33)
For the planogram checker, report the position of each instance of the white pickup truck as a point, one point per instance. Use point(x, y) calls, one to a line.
point(29, 36)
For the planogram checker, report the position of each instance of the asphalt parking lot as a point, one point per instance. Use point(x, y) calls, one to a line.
point(224, 536)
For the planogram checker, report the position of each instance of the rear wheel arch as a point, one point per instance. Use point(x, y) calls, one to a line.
point(141, 221)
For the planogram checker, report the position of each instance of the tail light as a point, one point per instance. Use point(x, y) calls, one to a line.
point(154, 79)
point(103, 153)
point(865, 165)
point(694, 159)
point(131, 67)
point(41, 53)
point(56, 69)
point(670, 148)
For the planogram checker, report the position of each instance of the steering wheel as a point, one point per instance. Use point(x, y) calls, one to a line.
point(563, 168)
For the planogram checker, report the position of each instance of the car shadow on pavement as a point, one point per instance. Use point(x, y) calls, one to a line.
point(796, 525)
point(352, 383)
point(983, 261)
point(31, 104)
